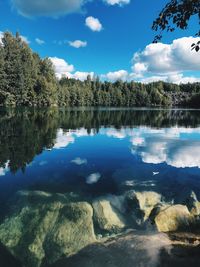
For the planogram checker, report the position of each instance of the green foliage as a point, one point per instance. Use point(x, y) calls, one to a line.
point(28, 80)
point(25, 79)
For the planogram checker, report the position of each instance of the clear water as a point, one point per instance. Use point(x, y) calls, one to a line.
point(57, 150)
point(98, 152)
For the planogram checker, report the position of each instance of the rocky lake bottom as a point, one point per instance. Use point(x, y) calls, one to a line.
point(107, 187)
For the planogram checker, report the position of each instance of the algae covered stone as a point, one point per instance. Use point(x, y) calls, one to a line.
point(140, 204)
point(43, 227)
point(107, 217)
point(173, 218)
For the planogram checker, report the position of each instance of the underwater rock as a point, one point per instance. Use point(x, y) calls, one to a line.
point(107, 217)
point(140, 204)
point(193, 204)
point(173, 218)
point(43, 227)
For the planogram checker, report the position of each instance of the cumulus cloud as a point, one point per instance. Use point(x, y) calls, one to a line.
point(62, 68)
point(117, 2)
point(80, 75)
point(117, 75)
point(167, 62)
point(94, 24)
point(78, 43)
point(79, 161)
point(93, 178)
point(39, 41)
point(30, 8)
point(176, 78)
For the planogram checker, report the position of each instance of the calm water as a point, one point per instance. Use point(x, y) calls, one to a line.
point(94, 153)
point(57, 151)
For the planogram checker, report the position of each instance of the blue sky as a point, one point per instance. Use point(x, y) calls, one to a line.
point(116, 31)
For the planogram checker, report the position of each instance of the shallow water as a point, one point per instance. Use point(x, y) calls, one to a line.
point(92, 153)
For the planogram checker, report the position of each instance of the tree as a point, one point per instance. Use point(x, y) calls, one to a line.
point(176, 13)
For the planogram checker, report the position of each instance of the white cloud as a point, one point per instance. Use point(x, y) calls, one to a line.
point(39, 41)
point(1, 36)
point(167, 62)
point(176, 78)
point(116, 134)
point(117, 2)
point(137, 141)
point(4, 170)
point(79, 161)
point(25, 39)
point(169, 146)
point(30, 8)
point(78, 43)
point(117, 75)
point(93, 178)
point(63, 139)
point(80, 75)
point(62, 68)
point(94, 24)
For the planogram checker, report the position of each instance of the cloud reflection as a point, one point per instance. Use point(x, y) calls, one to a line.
point(79, 161)
point(93, 178)
point(4, 170)
point(177, 146)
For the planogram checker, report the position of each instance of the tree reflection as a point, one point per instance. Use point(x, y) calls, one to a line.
point(24, 133)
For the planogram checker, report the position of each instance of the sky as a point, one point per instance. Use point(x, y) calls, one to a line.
point(109, 38)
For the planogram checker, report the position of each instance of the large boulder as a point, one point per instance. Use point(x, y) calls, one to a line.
point(43, 227)
point(140, 204)
point(107, 217)
point(173, 218)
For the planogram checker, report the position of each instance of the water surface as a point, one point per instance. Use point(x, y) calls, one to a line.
point(92, 153)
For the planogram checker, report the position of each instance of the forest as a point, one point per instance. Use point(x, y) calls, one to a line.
point(28, 80)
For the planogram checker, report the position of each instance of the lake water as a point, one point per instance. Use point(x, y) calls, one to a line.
point(90, 153)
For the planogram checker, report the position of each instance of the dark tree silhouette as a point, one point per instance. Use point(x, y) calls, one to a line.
point(176, 14)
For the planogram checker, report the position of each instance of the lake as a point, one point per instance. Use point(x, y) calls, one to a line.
point(66, 176)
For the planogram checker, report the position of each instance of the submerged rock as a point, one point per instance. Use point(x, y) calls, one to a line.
point(193, 204)
point(43, 227)
point(136, 249)
point(107, 217)
point(172, 218)
point(140, 204)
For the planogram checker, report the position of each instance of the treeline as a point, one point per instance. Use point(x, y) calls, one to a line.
point(28, 80)
point(25, 78)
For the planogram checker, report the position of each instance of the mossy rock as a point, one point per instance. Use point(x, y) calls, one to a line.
point(173, 218)
point(107, 217)
point(44, 227)
point(140, 204)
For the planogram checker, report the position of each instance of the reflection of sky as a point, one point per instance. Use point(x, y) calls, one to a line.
point(4, 170)
point(178, 147)
point(63, 138)
point(113, 159)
